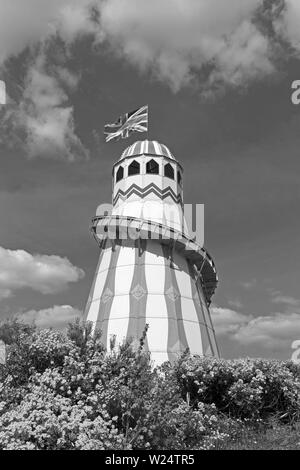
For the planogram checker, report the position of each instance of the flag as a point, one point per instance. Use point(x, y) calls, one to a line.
point(2, 92)
point(136, 121)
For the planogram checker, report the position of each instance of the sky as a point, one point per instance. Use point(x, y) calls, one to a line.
point(217, 77)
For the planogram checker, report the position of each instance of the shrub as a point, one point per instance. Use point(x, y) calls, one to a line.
point(64, 391)
point(244, 388)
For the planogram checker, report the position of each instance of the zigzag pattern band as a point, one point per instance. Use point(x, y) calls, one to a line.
point(143, 192)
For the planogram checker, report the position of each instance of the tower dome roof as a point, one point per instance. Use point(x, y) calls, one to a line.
point(147, 147)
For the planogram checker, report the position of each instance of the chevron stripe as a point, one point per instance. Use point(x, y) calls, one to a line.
point(143, 192)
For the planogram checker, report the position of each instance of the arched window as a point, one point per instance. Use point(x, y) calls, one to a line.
point(169, 171)
point(179, 177)
point(152, 167)
point(134, 168)
point(120, 174)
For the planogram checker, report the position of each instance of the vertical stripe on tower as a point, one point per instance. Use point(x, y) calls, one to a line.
point(92, 289)
point(108, 293)
point(120, 307)
point(204, 326)
point(177, 342)
point(138, 296)
point(208, 321)
point(93, 313)
point(156, 308)
point(189, 314)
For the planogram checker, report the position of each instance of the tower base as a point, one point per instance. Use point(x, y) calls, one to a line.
point(139, 282)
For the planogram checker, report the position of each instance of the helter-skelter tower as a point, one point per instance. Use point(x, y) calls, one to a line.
point(150, 270)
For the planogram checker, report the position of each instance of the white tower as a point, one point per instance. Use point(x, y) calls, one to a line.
point(150, 271)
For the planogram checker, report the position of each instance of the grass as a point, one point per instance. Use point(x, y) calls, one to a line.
point(275, 437)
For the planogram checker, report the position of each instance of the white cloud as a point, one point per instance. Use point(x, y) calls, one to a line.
point(25, 24)
point(174, 39)
point(177, 38)
point(244, 57)
point(56, 317)
point(43, 112)
point(47, 274)
point(236, 303)
point(227, 321)
point(44, 115)
point(286, 300)
point(75, 19)
point(276, 331)
point(249, 284)
point(214, 44)
point(291, 303)
point(181, 40)
point(288, 24)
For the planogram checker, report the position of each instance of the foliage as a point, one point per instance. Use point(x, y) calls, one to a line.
point(252, 389)
point(64, 391)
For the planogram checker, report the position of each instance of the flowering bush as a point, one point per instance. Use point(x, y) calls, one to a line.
point(64, 391)
point(44, 420)
point(245, 388)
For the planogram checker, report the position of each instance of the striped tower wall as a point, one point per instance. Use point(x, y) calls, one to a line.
point(141, 282)
point(144, 281)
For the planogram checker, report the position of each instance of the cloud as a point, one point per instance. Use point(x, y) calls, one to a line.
point(209, 42)
point(45, 117)
point(43, 114)
point(227, 321)
point(287, 24)
point(236, 303)
point(55, 317)
point(179, 39)
point(22, 27)
point(77, 19)
point(212, 43)
point(276, 331)
point(248, 285)
point(291, 303)
point(47, 274)
point(287, 300)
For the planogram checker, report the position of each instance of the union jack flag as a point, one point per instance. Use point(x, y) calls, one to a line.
point(136, 121)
